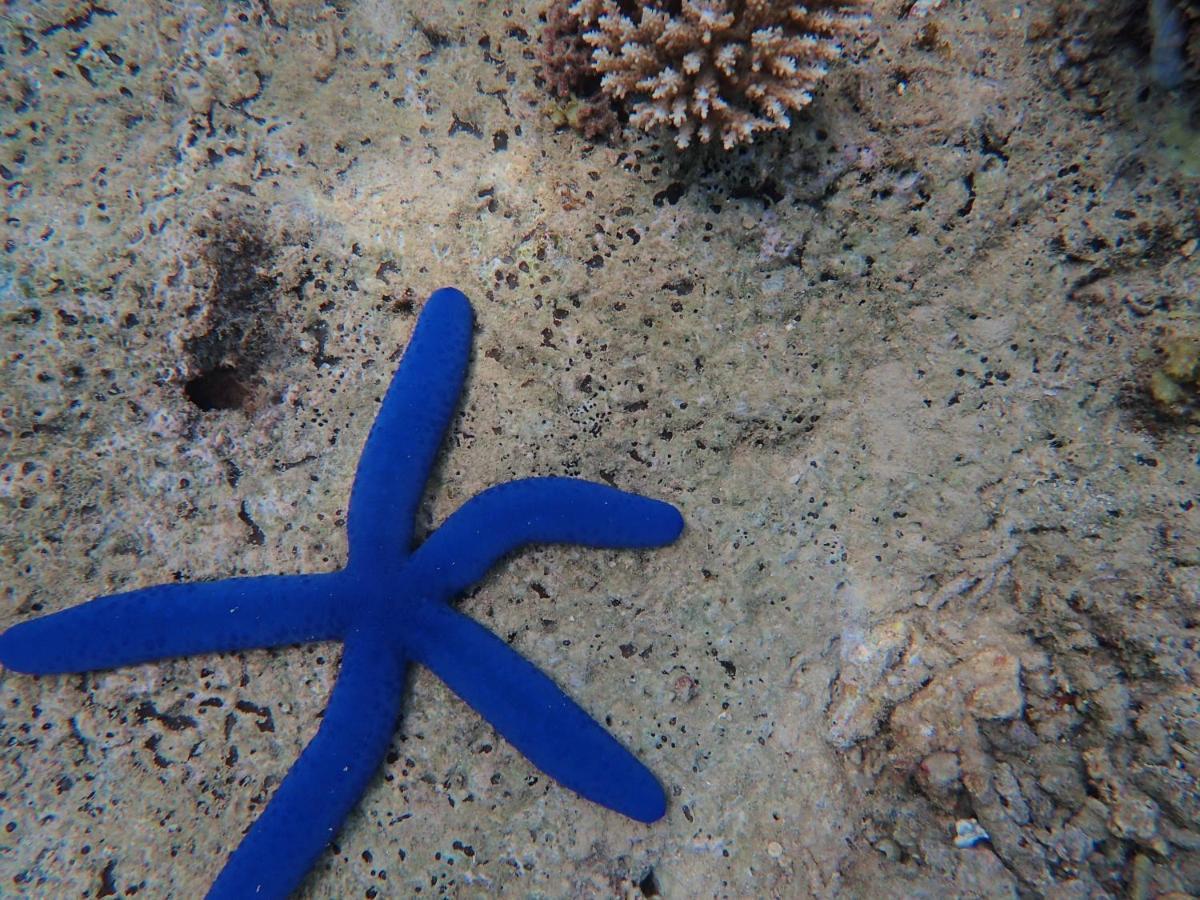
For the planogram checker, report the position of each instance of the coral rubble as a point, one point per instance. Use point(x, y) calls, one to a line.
point(715, 69)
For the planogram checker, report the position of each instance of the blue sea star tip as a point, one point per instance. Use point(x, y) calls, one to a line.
point(389, 605)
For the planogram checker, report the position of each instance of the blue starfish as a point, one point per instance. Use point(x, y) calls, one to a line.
point(389, 606)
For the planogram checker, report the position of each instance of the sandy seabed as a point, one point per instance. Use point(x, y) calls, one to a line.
point(896, 366)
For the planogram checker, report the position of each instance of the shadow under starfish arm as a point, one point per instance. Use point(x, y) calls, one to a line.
point(176, 620)
point(534, 715)
point(310, 805)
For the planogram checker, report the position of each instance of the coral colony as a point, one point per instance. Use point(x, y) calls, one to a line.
point(389, 605)
point(721, 70)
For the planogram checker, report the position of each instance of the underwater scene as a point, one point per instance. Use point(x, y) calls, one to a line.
point(600, 449)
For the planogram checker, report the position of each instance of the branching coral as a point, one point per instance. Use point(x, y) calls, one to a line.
point(715, 69)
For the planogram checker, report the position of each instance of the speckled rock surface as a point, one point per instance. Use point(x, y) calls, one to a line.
point(894, 366)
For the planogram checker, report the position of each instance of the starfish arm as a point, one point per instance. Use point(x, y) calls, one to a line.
point(176, 620)
point(408, 431)
point(534, 715)
point(539, 510)
point(327, 780)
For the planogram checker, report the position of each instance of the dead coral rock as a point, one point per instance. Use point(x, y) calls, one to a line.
point(1132, 815)
point(998, 695)
point(565, 60)
point(1175, 386)
point(882, 670)
point(986, 686)
point(981, 873)
point(564, 55)
point(591, 117)
point(940, 778)
point(1168, 768)
point(1191, 13)
point(1086, 37)
point(1175, 41)
point(715, 69)
point(949, 716)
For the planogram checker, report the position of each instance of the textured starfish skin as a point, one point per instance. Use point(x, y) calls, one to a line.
point(389, 605)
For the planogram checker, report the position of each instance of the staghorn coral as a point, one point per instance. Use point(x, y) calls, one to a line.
point(715, 69)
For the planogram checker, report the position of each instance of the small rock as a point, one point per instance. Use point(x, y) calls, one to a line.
point(981, 874)
point(1135, 816)
point(1113, 700)
point(968, 833)
point(1091, 819)
point(1182, 838)
point(1174, 788)
point(1072, 844)
point(1062, 780)
point(998, 695)
point(1139, 882)
point(940, 778)
point(890, 849)
point(684, 689)
point(858, 704)
point(1072, 889)
point(1007, 786)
